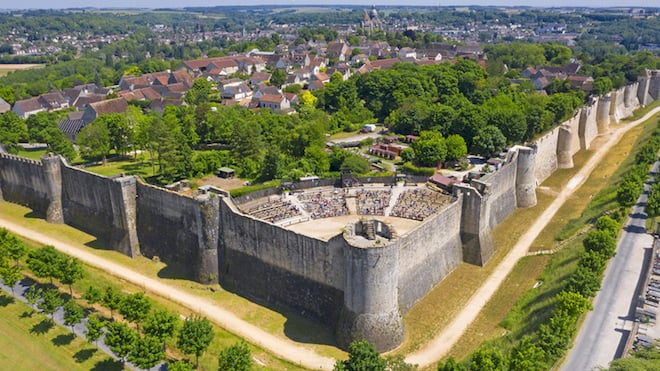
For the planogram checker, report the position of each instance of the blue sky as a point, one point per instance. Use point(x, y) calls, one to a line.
point(51, 4)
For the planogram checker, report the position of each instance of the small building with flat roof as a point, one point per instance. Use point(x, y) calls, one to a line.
point(226, 172)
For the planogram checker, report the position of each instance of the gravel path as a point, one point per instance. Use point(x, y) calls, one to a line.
point(444, 341)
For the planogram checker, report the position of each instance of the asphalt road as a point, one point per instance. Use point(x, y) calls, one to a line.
point(606, 329)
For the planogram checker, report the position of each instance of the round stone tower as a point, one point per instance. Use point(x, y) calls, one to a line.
point(603, 113)
point(526, 178)
point(371, 306)
point(564, 152)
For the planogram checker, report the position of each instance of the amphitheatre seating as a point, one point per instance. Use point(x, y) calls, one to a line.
point(418, 204)
point(274, 211)
point(373, 202)
point(324, 204)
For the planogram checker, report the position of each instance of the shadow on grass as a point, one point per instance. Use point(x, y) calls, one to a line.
point(42, 327)
point(175, 271)
point(61, 340)
point(84, 354)
point(108, 364)
point(99, 244)
point(6, 300)
point(34, 215)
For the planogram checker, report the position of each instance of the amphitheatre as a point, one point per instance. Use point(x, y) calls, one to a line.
point(353, 253)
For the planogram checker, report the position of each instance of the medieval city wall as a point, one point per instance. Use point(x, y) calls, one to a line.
point(361, 290)
point(177, 229)
point(428, 253)
point(546, 155)
point(270, 263)
point(502, 192)
point(23, 182)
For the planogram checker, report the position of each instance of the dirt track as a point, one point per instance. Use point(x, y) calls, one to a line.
point(293, 352)
point(445, 340)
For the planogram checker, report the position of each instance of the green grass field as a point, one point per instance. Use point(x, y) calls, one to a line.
point(28, 343)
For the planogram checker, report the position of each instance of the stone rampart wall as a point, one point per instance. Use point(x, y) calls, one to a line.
point(428, 254)
point(282, 267)
point(23, 181)
point(502, 192)
point(546, 155)
point(168, 226)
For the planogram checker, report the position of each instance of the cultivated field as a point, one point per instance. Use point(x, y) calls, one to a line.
point(7, 68)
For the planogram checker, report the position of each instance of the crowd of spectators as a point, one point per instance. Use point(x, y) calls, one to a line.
point(418, 204)
point(324, 204)
point(274, 211)
point(373, 202)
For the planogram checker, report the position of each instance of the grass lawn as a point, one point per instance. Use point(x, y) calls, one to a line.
point(27, 343)
point(136, 166)
point(34, 154)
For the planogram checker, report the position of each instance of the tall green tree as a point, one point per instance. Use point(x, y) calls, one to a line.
point(94, 141)
point(112, 299)
point(12, 130)
point(71, 271)
point(94, 327)
point(195, 337)
point(50, 301)
point(135, 307)
point(278, 78)
point(73, 314)
point(362, 356)
point(236, 357)
point(121, 339)
point(161, 324)
point(430, 148)
point(45, 262)
point(147, 353)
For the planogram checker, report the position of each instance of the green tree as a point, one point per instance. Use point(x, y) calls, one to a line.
point(199, 92)
point(71, 271)
point(195, 337)
point(356, 164)
point(146, 353)
point(600, 241)
point(120, 339)
point(489, 140)
point(94, 327)
point(135, 307)
point(93, 295)
point(94, 141)
point(456, 147)
point(73, 313)
point(487, 360)
point(12, 130)
point(45, 262)
point(161, 324)
point(527, 356)
point(119, 132)
point(451, 365)
point(362, 356)
point(628, 191)
point(10, 275)
point(572, 303)
point(236, 357)
point(278, 78)
point(398, 363)
point(602, 85)
point(430, 148)
point(112, 299)
point(50, 301)
point(32, 295)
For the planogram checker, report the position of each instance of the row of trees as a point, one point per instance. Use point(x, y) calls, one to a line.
point(142, 335)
